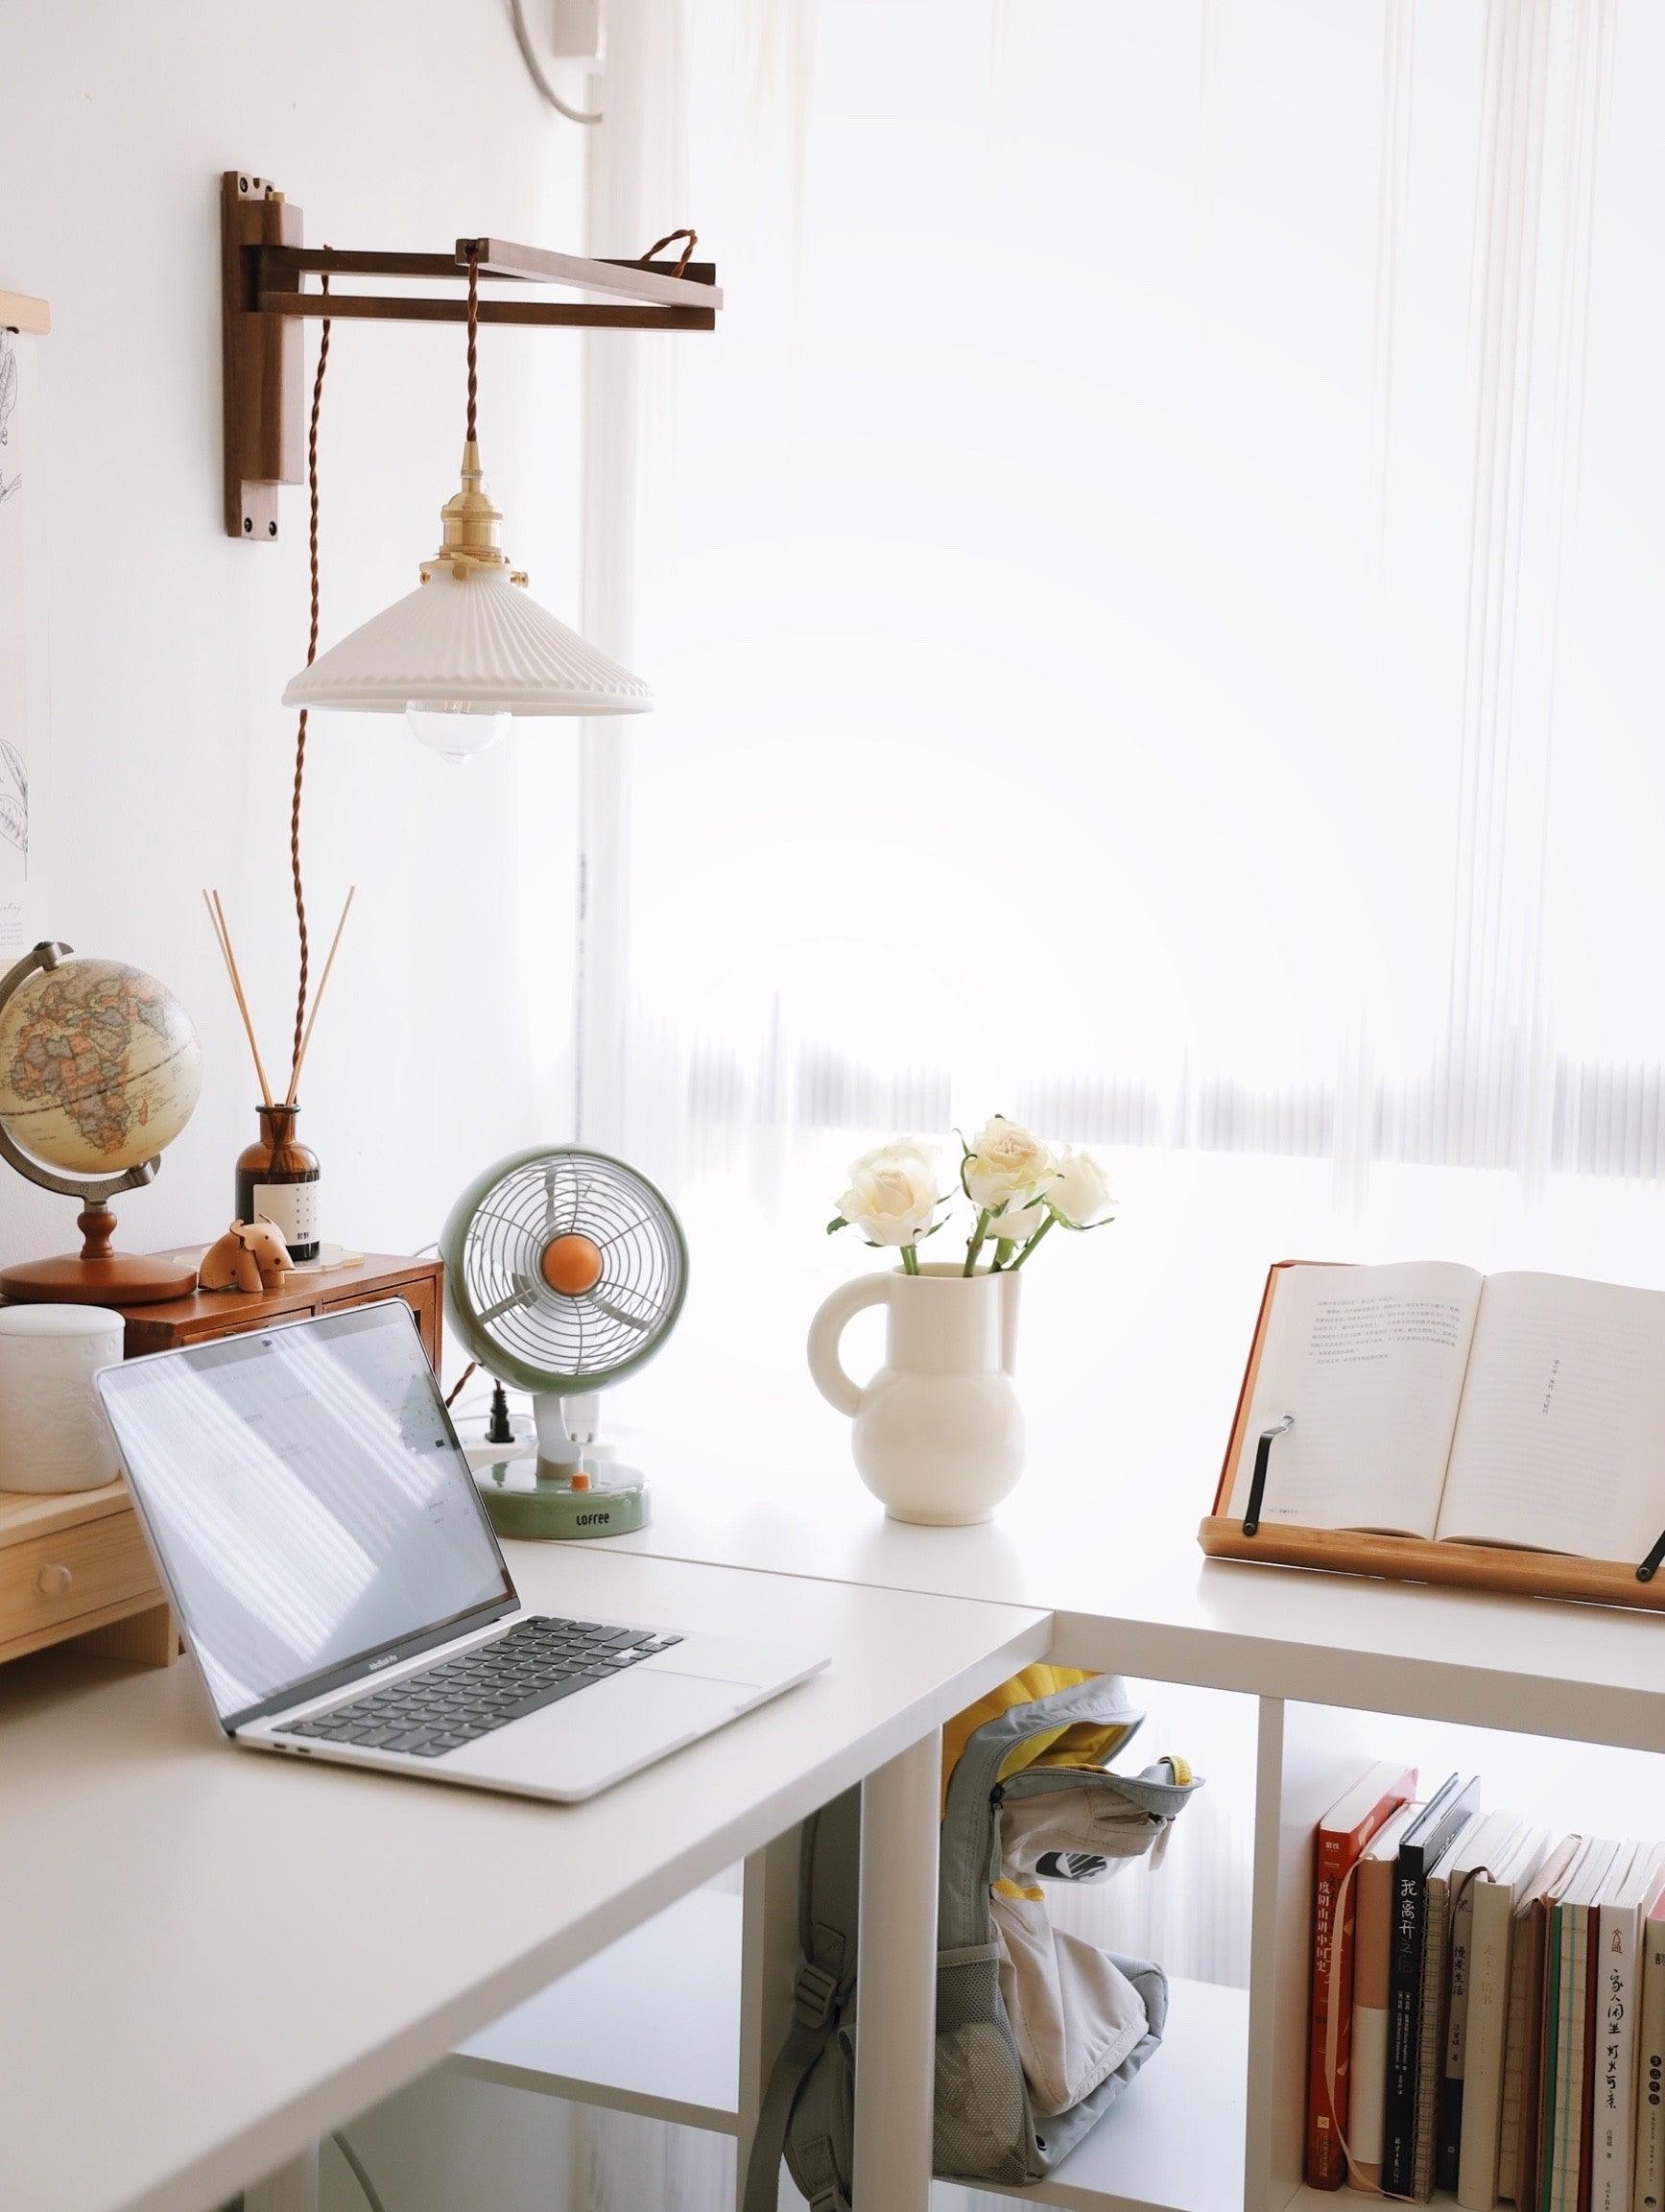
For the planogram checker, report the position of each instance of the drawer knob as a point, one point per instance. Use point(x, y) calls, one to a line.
point(53, 1581)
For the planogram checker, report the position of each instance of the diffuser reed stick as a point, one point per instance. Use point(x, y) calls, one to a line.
point(223, 939)
point(318, 996)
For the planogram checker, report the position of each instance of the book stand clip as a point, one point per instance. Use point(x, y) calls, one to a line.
point(1262, 1461)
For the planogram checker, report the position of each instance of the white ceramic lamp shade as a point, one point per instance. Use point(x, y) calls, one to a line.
point(477, 638)
point(468, 648)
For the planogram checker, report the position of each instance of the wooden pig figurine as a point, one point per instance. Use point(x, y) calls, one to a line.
point(251, 1257)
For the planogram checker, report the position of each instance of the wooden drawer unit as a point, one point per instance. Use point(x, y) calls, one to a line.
point(74, 1562)
point(210, 1313)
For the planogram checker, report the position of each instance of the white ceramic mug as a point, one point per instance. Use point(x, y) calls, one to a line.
point(938, 1434)
point(53, 1433)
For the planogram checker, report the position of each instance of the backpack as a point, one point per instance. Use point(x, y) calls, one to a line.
point(1038, 2032)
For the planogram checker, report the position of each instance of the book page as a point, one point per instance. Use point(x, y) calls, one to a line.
point(1560, 1442)
point(1371, 1361)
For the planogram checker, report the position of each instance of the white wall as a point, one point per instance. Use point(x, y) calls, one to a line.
point(443, 1044)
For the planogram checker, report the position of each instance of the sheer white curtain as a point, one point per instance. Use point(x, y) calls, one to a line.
point(1152, 591)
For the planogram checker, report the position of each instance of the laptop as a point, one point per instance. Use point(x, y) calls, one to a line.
point(342, 1590)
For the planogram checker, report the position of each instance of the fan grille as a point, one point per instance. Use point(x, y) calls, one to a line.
point(502, 1291)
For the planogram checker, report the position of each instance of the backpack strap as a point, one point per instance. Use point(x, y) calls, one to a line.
point(827, 1905)
point(818, 1998)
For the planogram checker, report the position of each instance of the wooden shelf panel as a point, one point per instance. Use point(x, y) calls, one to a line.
point(651, 2026)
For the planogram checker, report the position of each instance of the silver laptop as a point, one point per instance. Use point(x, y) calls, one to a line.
point(342, 1592)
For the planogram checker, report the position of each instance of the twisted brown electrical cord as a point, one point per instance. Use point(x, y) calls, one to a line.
point(311, 656)
point(473, 341)
point(670, 239)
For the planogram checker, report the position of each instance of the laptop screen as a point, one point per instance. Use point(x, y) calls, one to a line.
point(308, 1501)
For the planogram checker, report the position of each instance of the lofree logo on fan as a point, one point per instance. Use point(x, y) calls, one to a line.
point(591, 1520)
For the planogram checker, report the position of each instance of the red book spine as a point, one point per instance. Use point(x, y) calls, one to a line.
point(1332, 1987)
point(1337, 1852)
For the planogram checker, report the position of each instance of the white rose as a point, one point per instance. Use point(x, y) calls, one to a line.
point(1018, 1224)
point(1083, 1194)
point(892, 1194)
point(1005, 1164)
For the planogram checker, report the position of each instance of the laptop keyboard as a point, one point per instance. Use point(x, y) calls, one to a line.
point(538, 1663)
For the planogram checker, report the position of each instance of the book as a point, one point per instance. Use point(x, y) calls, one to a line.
point(1490, 1901)
point(1567, 2002)
point(1488, 1843)
point(1424, 1842)
point(1340, 1839)
point(1620, 1926)
point(1440, 1891)
point(1433, 1402)
point(1648, 2190)
point(1521, 2145)
point(1373, 1953)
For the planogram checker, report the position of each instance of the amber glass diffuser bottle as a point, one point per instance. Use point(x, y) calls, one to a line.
point(279, 1176)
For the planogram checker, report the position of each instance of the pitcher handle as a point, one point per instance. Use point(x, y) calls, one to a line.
point(837, 1311)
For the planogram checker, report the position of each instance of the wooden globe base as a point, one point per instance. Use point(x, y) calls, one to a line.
point(96, 1275)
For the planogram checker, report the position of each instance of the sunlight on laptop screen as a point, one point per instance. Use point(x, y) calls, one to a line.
point(306, 1498)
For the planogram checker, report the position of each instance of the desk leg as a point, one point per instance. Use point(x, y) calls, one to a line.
point(896, 1969)
point(768, 1970)
point(291, 2188)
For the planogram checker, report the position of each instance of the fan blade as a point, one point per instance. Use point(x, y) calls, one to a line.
point(618, 1314)
point(516, 1297)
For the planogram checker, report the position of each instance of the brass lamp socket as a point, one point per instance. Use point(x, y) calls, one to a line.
point(469, 522)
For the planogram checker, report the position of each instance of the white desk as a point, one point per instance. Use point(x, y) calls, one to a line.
point(211, 1959)
point(1154, 1606)
point(1302, 1645)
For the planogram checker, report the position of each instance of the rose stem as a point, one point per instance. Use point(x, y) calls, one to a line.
point(1034, 1240)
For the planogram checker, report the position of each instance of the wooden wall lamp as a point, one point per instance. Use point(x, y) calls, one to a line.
point(469, 648)
point(264, 266)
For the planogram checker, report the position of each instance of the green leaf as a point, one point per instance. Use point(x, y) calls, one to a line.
point(837, 1223)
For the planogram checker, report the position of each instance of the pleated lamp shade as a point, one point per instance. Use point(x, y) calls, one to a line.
point(478, 638)
point(470, 645)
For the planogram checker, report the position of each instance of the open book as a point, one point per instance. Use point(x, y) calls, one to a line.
point(1431, 1401)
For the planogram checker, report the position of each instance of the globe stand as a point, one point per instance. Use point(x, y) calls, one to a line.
point(96, 1275)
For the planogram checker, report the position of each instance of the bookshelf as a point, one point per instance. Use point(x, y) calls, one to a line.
point(1327, 1673)
point(581, 2039)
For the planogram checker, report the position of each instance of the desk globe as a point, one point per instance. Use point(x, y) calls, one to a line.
point(100, 1069)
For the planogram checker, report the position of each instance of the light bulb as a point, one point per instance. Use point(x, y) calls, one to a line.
point(455, 728)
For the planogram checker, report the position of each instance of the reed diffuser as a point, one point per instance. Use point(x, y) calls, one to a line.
point(279, 1176)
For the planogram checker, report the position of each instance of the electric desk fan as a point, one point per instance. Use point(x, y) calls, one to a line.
point(564, 1270)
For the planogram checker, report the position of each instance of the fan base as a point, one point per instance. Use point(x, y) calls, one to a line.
point(526, 1500)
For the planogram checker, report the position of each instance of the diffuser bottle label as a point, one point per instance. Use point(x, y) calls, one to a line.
point(294, 1207)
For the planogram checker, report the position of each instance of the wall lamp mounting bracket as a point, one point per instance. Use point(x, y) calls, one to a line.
point(264, 266)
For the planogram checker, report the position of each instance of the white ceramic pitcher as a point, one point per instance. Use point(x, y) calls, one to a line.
point(938, 1433)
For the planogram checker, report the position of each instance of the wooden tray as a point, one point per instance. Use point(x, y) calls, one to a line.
point(1415, 1559)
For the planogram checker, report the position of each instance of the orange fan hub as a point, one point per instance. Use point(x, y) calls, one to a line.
point(572, 1265)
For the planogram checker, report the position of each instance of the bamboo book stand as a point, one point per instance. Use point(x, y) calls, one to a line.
point(1224, 1535)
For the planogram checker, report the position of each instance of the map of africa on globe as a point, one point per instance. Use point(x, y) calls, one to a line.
point(100, 1067)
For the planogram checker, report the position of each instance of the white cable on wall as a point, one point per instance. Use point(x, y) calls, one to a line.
point(535, 69)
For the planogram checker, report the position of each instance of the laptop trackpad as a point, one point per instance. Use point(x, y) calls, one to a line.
point(576, 1747)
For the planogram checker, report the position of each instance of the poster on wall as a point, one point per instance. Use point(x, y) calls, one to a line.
point(23, 634)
